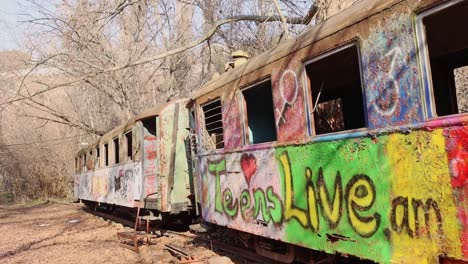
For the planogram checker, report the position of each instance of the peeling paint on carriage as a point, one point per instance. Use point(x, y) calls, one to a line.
point(232, 123)
point(457, 151)
point(390, 71)
point(289, 101)
point(118, 185)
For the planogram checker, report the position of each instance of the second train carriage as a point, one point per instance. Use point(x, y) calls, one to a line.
point(144, 163)
point(350, 138)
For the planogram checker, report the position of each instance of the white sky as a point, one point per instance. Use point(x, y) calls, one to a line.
point(10, 14)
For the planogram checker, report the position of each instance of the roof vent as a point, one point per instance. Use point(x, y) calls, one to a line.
point(239, 57)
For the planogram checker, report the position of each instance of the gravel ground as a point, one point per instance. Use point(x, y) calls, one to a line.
point(62, 233)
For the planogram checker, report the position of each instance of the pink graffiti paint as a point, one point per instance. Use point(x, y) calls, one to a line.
point(457, 151)
point(248, 165)
point(232, 123)
point(150, 155)
point(289, 101)
point(150, 185)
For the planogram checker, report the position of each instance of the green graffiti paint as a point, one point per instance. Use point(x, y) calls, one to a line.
point(276, 211)
point(334, 191)
point(216, 169)
point(260, 204)
point(229, 204)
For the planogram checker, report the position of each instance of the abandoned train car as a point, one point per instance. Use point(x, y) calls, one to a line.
point(351, 138)
point(143, 163)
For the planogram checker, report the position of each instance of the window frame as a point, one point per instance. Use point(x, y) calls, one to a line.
point(116, 150)
point(244, 113)
point(128, 155)
point(308, 89)
point(98, 157)
point(425, 66)
point(210, 101)
point(106, 154)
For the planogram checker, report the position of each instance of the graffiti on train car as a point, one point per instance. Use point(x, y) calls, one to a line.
point(116, 185)
point(289, 101)
point(389, 70)
point(367, 191)
point(357, 198)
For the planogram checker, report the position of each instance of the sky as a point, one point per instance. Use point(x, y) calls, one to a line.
point(10, 11)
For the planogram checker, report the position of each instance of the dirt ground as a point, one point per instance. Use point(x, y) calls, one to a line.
point(61, 233)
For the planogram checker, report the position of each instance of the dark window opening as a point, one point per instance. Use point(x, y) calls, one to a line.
point(192, 120)
point(116, 150)
point(106, 154)
point(214, 122)
point(84, 163)
point(76, 165)
point(447, 42)
point(260, 116)
point(336, 92)
point(128, 139)
point(150, 125)
point(98, 163)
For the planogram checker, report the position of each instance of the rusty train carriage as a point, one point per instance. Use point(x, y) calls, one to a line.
point(141, 163)
point(347, 139)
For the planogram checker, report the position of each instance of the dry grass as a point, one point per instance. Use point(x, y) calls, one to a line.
point(43, 234)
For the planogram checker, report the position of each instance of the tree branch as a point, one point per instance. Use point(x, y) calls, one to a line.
point(192, 44)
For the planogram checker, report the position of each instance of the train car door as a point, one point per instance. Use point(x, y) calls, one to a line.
point(150, 161)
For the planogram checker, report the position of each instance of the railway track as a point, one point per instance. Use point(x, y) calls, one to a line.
point(208, 240)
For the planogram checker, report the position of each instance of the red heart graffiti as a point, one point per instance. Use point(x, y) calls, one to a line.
point(248, 165)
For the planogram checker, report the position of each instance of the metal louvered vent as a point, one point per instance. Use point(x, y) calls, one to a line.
point(214, 122)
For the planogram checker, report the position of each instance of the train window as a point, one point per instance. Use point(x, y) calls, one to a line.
point(116, 150)
point(213, 117)
point(80, 164)
point(335, 81)
point(128, 140)
point(150, 125)
point(98, 160)
point(447, 48)
point(260, 116)
point(84, 163)
point(76, 165)
point(106, 154)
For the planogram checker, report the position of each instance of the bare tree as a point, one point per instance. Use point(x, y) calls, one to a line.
point(88, 65)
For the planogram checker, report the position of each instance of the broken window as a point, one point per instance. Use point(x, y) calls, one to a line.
point(116, 150)
point(213, 117)
point(337, 100)
point(150, 125)
point(128, 140)
point(106, 154)
point(260, 116)
point(446, 36)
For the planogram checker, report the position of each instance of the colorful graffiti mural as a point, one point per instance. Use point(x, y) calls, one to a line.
point(390, 71)
point(372, 198)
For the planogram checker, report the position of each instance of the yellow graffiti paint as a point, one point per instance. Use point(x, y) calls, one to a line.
point(332, 213)
point(290, 211)
point(361, 195)
point(99, 186)
point(423, 216)
point(312, 202)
